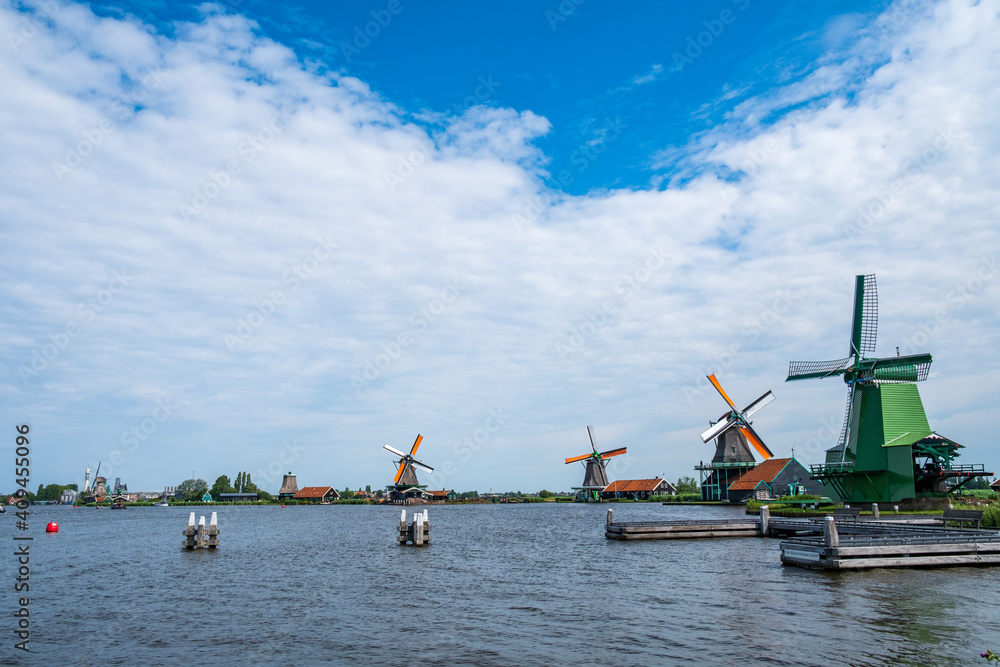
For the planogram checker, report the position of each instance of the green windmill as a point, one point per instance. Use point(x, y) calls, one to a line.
point(887, 451)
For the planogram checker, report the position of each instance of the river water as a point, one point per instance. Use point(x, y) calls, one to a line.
point(500, 585)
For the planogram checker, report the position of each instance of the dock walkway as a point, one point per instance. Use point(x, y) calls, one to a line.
point(835, 542)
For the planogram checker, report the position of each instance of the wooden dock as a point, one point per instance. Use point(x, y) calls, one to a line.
point(844, 541)
point(903, 546)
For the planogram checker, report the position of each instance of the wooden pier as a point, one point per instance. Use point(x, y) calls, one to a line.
point(417, 533)
point(843, 541)
point(681, 530)
point(201, 537)
point(902, 546)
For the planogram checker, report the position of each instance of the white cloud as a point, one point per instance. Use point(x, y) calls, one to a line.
point(275, 159)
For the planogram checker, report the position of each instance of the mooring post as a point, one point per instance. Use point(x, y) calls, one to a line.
point(213, 531)
point(830, 535)
point(189, 533)
point(610, 516)
point(875, 510)
point(200, 541)
point(895, 508)
point(418, 529)
point(765, 520)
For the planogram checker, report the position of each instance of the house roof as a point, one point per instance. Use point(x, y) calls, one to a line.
point(313, 491)
point(766, 471)
point(633, 485)
point(996, 484)
point(442, 492)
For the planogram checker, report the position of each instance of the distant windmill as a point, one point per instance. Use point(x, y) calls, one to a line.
point(885, 428)
point(595, 479)
point(405, 481)
point(733, 438)
point(740, 420)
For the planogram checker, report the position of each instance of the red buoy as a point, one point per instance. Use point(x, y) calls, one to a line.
point(52, 528)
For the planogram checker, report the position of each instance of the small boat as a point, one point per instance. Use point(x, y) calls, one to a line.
point(164, 502)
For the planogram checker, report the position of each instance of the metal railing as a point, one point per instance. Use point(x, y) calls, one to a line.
point(831, 468)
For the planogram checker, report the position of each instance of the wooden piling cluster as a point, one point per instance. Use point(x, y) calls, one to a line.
point(201, 537)
point(417, 533)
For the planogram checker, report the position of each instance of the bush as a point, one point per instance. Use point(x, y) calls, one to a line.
point(980, 493)
point(991, 516)
point(679, 498)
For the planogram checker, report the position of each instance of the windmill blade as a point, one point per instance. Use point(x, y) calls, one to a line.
point(864, 322)
point(399, 473)
point(804, 370)
point(422, 466)
point(416, 443)
point(911, 368)
point(758, 404)
point(844, 430)
point(718, 388)
point(394, 451)
point(578, 458)
point(755, 440)
point(612, 452)
point(590, 434)
point(718, 429)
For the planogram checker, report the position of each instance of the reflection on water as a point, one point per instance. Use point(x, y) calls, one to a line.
point(500, 585)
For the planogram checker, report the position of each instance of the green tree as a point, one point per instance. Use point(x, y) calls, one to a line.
point(192, 489)
point(52, 491)
point(238, 483)
point(977, 483)
point(686, 485)
point(545, 494)
point(221, 486)
point(264, 495)
point(368, 488)
point(346, 493)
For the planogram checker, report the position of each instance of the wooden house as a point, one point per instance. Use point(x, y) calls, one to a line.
point(441, 495)
point(772, 478)
point(638, 489)
point(237, 497)
point(317, 494)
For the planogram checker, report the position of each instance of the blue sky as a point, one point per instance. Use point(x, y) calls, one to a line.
point(243, 237)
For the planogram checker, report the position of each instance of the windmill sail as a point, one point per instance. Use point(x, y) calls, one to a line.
point(739, 420)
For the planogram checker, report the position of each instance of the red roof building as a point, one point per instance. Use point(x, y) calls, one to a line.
point(638, 489)
point(317, 493)
point(771, 479)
